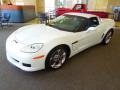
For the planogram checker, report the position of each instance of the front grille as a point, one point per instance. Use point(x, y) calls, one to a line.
point(26, 65)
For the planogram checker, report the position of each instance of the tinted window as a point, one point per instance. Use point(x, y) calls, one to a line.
point(93, 22)
point(85, 25)
point(68, 23)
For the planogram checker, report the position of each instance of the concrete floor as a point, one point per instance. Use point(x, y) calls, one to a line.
point(97, 68)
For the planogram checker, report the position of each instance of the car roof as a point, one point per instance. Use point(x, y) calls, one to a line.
point(81, 14)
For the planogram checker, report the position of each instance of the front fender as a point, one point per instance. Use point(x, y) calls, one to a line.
point(54, 43)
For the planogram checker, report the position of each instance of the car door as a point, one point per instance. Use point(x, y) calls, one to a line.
point(86, 37)
point(99, 28)
point(94, 31)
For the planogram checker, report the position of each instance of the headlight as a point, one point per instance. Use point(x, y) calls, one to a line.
point(32, 48)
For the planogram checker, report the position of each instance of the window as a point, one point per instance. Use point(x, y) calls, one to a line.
point(84, 25)
point(78, 7)
point(93, 22)
point(69, 23)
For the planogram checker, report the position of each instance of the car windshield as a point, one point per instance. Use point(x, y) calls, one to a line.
point(67, 22)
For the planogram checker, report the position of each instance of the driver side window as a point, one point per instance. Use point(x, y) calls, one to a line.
point(93, 22)
point(78, 7)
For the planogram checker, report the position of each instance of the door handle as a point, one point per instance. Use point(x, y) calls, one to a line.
point(75, 42)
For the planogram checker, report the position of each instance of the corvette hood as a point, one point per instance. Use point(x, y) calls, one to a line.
point(38, 33)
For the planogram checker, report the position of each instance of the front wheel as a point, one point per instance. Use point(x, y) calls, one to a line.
point(56, 58)
point(107, 37)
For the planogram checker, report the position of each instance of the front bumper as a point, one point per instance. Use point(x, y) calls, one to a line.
point(26, 64)
point(22, 60)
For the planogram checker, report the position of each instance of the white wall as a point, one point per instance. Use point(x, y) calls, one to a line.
point(98, 5)
point(49, 5)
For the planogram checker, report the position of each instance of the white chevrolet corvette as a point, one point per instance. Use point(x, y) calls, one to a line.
point(39, 46)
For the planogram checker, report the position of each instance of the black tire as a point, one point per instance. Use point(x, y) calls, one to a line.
point(107, 37)
point(56, 58)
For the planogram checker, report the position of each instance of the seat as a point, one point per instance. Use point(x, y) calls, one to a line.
point(1, 22)
point(5, 18)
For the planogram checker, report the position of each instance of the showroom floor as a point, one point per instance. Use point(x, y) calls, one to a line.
point(97, 68)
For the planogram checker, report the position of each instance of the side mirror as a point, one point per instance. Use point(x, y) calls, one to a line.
point(91, 29)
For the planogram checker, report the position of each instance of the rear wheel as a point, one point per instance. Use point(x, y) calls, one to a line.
point(107, 37)
point(56, 58)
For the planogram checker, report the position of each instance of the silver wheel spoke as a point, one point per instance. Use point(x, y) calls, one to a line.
point(57, 58)
point(108, 37)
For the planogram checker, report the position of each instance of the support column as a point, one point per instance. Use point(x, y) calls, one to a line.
point(1, 2)
point(40, 6)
